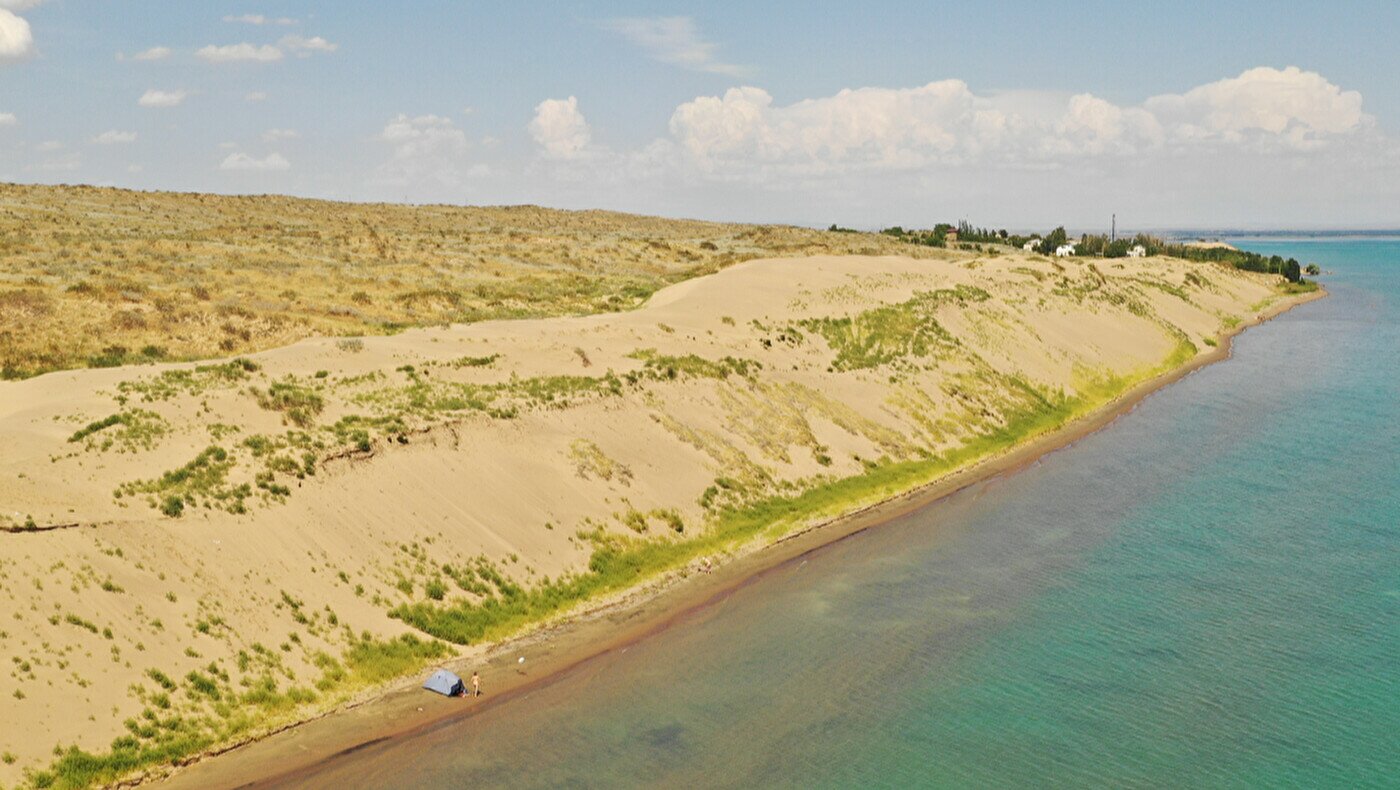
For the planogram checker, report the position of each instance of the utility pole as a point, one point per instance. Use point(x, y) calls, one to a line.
point(1114, 234)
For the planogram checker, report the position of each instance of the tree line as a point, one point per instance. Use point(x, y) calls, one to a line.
point(1097, 245)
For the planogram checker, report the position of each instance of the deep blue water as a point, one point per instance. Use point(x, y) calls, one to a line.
point(1205, 594)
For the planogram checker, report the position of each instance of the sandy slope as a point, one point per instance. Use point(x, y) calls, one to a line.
point(89, 609)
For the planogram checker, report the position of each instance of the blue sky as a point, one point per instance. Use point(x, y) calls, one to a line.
point(1012, 113)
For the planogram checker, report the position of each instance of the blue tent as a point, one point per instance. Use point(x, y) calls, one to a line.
point(444, 682)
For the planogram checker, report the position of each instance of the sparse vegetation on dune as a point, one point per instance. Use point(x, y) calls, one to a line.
point(885, 334)
point(618, 561)
point(215, 705)
point(97, 277)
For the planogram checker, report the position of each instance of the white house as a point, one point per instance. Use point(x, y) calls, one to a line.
point(1031, 246)
point(1064, 251)
point(1138, 251)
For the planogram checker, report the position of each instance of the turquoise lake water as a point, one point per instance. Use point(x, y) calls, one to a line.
point(1205, 594)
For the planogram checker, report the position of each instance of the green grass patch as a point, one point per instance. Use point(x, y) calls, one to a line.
point(201, 482)
point(216, 710)
point(885, 334)
point(298, 402)
point(474, 362)
point(135, 429)
point(193, 381)
point(664, 367)
point(373, 661)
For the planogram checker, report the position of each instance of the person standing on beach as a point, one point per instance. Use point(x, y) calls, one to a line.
point(476, 684)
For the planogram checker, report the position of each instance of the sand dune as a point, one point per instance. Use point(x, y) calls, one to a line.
point(247, 520)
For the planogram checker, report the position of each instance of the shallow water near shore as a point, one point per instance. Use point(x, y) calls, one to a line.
point(1206, 593)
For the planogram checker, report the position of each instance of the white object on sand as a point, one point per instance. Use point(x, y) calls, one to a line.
point(522, 660)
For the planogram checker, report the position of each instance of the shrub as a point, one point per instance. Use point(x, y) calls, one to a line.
point(299, 403)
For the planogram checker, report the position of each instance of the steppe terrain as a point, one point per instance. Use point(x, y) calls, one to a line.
point(195, 552)
point(93, 277)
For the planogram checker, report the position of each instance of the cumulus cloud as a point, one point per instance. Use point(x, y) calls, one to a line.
point(255, 96)
point(48, 146)
point(114, 137)
point(160, 98)
point(1298, 108)
point(428, 153)
point(8, 119)
point(305, 47)
point(743, 134)
point(259, 19)
point(560, 128)
point(232, 53)
point(16, 39)
point(241, 161)
point(675, 40)
point(273, 135)
point(300, 46)
point(154, 53)
point(1094, 126)
point(861, 128)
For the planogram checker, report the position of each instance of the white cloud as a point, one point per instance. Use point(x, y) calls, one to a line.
point(427, 150)
point(48, 145)
point(154, 53)
point(259, 19)
point(560, 128)
point(255, 96)
point(114, 137)
point(305, 47)
point(242, 161)
point(19, 5)
point(879, 128)
point(8, 119)
point(1094, 126)
point(675, 40)
point(160, 98)
point(1298, 108)
point(743, 135)
point(273, 135)
point(231, 53)
point(16, 39)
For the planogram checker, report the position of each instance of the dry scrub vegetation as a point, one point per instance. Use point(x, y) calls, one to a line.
point(96, 277)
